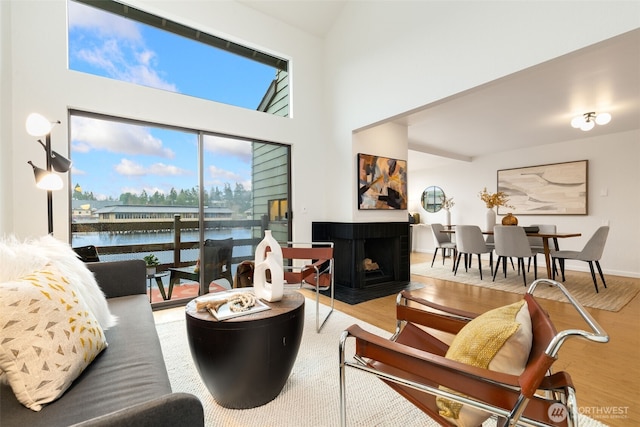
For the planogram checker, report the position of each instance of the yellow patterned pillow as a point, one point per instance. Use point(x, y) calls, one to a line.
point(499, 340)
point(48, 336)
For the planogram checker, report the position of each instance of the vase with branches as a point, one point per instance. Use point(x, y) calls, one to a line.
point(492, 200)
point(447, 203)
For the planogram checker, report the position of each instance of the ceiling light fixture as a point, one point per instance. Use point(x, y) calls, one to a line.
point(587, 121)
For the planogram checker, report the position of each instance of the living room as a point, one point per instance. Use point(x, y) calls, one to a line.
point(378, 60)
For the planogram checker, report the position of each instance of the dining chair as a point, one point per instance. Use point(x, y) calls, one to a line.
point(469, 242)
point(491, 244)
point(511, 241)
point(442, 241)
point(592, 252)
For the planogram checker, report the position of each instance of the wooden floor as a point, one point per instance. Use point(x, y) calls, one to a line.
point(606, 376)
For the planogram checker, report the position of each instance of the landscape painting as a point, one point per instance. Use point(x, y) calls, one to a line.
point(382, 182)
point(554, 189)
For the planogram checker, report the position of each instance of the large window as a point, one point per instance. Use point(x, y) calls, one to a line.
point(143, 187)
point(109, 39)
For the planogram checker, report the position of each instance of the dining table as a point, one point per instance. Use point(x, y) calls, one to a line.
point(545, 242)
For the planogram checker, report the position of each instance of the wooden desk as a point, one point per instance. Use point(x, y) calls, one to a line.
point(545, 243)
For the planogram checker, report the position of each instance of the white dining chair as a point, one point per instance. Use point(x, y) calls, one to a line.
point(592, 252)
point(469, 241)
point(442, 241)
point(511, 241)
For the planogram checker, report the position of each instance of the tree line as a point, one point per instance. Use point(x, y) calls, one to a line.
point(238, 199)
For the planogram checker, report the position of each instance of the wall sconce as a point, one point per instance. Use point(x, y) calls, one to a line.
point(587, 121)
point(37, 125)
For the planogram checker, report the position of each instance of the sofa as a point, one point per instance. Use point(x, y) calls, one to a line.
point(127, 383)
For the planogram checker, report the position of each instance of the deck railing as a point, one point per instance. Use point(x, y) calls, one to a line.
point(177, 226)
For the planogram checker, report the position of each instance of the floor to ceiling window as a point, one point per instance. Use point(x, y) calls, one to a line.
point(147, 188)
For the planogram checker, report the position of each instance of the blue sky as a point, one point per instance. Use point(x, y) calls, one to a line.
point(111, 158)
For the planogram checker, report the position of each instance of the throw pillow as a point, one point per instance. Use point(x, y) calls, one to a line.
point(17, 259)
point(49, 336)
point(498, 340)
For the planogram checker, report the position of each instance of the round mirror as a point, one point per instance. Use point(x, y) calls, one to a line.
point(432, 198)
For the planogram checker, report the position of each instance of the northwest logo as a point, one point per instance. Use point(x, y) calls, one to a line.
point(557, 412)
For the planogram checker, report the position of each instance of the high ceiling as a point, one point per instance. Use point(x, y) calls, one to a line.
point(530, 108)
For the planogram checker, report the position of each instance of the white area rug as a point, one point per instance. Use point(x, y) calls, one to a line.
point(310, 396)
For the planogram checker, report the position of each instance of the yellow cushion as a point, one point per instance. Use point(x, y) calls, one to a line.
point(499, 340)
point(48, 336)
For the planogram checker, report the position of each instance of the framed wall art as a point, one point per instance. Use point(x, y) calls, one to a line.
point(554, 189)
point(382, 182)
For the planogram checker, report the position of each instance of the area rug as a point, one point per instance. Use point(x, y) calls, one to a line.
point(620, 290)
point(310, 396)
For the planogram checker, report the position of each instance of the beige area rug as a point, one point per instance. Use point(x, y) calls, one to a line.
point(620, 290)
point(310, 396)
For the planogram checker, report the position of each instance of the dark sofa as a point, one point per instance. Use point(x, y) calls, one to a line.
point(127, 384)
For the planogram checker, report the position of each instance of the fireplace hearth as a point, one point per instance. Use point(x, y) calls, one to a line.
point(360, 246)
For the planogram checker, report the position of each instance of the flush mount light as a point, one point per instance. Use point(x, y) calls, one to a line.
point(587, 121)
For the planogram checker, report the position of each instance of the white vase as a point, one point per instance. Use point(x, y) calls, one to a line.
point(269, 291)
point(271, 261)
point(447, 218)
point(491, 219)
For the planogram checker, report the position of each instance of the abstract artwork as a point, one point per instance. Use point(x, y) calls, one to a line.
point(555, 189)
point(382, 182)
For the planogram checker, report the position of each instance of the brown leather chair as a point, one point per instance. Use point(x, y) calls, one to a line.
point(311, 266)
point(413, 363)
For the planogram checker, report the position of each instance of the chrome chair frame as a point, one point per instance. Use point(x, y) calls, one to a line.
point(513, 416)
point(315, 269)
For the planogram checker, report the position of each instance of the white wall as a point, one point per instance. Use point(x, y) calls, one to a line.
point(614, 170)
point(388, 140)
point(385, 58)
point(380, 59)
point(41, 82)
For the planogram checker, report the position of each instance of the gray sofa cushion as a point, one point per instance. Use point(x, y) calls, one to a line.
point(130, 371)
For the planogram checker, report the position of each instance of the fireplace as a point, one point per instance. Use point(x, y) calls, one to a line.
point(367, 254)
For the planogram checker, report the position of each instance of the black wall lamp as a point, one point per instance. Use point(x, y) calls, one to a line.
point(46, 179)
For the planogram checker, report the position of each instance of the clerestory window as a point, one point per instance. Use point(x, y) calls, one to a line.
point(113, 40)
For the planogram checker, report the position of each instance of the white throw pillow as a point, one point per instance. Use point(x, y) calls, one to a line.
point(17, 259)
point(49, 336)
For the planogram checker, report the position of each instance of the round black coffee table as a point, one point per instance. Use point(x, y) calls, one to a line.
point(245, 361)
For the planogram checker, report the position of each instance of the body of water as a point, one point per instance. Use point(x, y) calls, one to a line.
point(101, 239)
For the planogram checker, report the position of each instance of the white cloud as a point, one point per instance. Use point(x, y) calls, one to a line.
point(114, 45)
point(234, 147)
point(92, 134)
point(106, 24)
point(76, 172)
point(167, 170)
point(218, 177)
point(128, 167)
